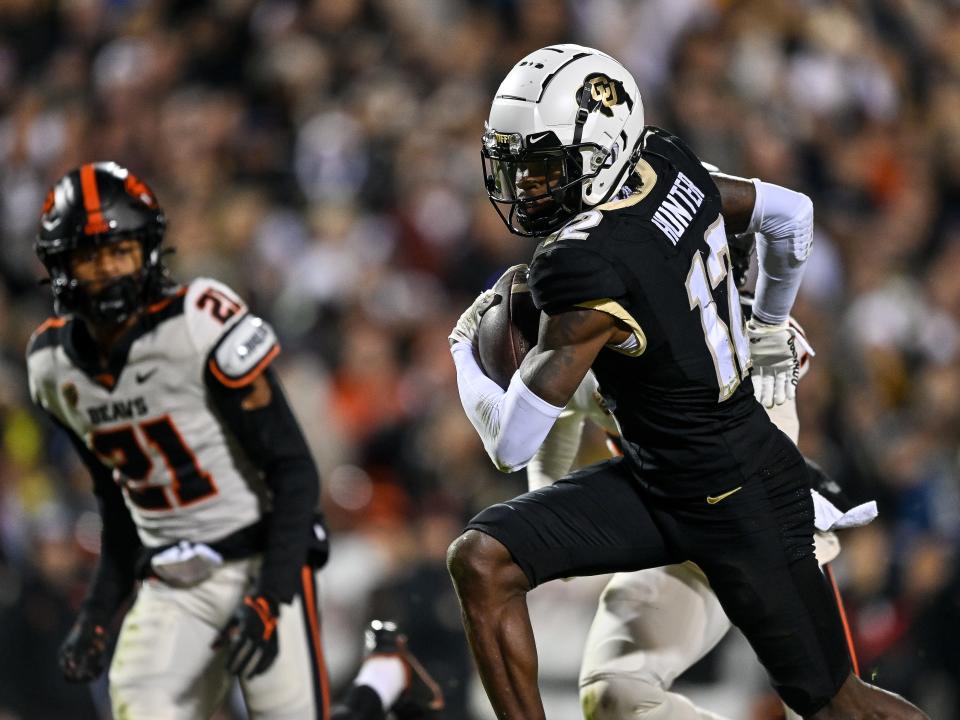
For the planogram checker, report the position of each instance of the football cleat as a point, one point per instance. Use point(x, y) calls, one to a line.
point(422, 697)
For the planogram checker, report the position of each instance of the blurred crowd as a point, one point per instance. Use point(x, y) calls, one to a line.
point(322, 158)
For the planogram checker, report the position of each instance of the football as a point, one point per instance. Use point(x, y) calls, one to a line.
point(508, 329)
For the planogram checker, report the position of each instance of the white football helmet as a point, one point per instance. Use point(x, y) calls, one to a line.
point(563, 134)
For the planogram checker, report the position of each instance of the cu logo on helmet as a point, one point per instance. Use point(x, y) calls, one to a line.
point(606, 93)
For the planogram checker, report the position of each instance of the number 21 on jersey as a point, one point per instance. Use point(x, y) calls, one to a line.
point(728, 346)
point(185, 483)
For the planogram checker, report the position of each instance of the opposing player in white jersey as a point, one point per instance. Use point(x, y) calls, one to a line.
point(206, 487)
point(652, 625)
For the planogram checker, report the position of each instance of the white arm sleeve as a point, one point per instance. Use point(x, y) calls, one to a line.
point(511, 424)
point(784, 220)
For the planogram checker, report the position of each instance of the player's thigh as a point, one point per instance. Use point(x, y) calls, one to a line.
point(295, 687)
point(756, 548)
point(592, 522)
point(652, 625)
point(163, 668)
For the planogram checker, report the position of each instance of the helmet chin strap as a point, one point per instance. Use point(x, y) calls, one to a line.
point(583, 112)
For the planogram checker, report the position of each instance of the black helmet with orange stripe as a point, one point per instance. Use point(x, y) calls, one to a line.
point(97, 204)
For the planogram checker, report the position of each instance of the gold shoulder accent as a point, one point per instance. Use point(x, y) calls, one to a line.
point(612, 307)
point(648, 177)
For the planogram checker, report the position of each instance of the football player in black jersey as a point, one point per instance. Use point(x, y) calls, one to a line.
point(634, 280)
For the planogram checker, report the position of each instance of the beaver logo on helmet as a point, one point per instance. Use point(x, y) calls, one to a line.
point(70, 394)
point(138, 189)
point(47, 203)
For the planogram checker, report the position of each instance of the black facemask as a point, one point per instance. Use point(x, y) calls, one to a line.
point(115, 303)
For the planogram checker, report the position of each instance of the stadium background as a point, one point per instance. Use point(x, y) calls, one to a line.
point(322, 157)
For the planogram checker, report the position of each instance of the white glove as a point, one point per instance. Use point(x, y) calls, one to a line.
point(776, 352)
point(469, 323)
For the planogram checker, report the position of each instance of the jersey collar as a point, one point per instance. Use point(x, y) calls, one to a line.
point(83, 353)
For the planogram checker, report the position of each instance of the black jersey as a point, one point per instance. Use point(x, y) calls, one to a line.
point(658, 261)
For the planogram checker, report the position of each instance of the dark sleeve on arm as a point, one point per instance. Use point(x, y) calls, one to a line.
point(115, 575)
point(272, 439)
point(564, 276)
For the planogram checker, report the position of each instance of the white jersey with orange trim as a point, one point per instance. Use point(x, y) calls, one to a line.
point(149, 419)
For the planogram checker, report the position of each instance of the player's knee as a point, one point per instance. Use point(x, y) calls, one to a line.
point(140, 693)
point(478, 562)
point(617, 592)
point(130, 700)
point(856, 698)
point(615, 697)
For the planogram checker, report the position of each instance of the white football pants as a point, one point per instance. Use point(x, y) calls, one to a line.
point(164, 668)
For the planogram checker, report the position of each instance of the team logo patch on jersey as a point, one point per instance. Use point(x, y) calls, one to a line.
point(605, 94)
point(70, 395)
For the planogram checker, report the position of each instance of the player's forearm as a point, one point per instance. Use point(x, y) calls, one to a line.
point(263, 422)
point(111, 585)
point(114, 578)
point(279, 448)
point(295, 484)
point(783, 220)
point(512, 424)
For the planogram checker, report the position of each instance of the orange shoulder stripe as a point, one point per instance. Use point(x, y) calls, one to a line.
point(51, 322)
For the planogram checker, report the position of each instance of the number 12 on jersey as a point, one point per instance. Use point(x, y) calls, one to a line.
point(728, 346)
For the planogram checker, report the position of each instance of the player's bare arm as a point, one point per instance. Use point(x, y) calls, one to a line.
point(512, 422)
point(567, 346)
point(737, 198)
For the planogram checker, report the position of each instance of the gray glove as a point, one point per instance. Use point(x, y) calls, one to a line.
point(776, 351)
point(469, 323)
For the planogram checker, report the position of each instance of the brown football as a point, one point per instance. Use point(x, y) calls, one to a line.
point(508, 329)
